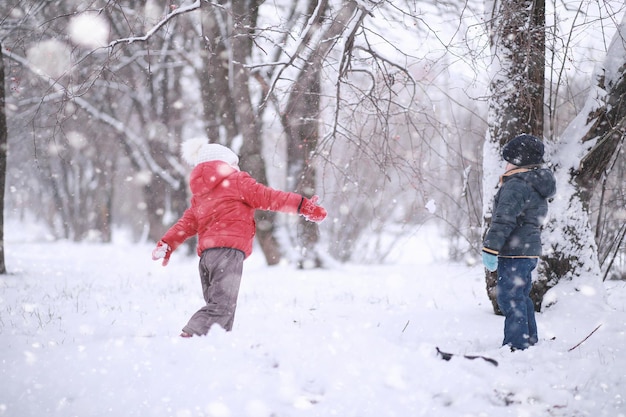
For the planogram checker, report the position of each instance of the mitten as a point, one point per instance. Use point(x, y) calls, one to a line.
point(490, 261)
point(162, 251)
point(311, 211)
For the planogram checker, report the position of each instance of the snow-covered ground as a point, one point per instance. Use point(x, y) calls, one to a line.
point(92, 330)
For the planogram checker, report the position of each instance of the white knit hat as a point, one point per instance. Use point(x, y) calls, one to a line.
point(197, 150)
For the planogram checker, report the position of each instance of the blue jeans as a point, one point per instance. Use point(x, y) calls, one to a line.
point(513, 296)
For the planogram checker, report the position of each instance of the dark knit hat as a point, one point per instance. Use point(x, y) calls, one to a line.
point(523, 150)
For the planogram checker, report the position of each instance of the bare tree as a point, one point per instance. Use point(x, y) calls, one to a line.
point(301, 115)
point(586, 154)
point(154, 115)
point(516, 92)
point(95, 107)
point(229, 55)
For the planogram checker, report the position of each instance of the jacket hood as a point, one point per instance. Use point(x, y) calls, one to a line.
point(540, 179)
point(208, 175)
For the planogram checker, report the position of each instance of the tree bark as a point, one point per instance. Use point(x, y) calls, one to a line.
point(518, 45)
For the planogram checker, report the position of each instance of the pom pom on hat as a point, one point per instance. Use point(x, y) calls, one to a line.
point(523, 150)
point(196, 151)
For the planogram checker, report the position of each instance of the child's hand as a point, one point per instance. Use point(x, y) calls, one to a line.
point(311, 211)
point(162, 251)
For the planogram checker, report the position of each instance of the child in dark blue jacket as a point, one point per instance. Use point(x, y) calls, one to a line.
point(512, 244)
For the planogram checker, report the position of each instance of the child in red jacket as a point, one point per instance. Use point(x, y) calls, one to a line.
point(223, 203)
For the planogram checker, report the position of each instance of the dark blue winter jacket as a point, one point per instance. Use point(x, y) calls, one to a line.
point(520, 207)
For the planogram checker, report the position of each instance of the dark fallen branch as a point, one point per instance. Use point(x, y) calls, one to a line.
point(583, 341)
point(447, 356)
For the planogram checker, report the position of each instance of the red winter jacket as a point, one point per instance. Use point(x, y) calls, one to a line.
point(222, 208)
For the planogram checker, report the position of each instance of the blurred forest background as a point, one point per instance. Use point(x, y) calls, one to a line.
point(380, 107)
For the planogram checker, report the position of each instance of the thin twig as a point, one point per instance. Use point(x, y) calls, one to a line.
point(588, 336)
point(406, 325)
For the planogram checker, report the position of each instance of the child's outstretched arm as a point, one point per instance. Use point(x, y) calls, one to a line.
point(263, 197)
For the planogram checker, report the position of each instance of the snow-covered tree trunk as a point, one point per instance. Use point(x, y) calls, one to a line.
point(586, 150)
point(517, 30)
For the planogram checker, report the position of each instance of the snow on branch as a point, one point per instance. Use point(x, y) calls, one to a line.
point(316, 41)
point(136, 144)
point(300, 46)
point(137, 150)
point(180, 10)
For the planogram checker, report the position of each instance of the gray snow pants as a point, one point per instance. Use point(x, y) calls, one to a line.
point(220, 275)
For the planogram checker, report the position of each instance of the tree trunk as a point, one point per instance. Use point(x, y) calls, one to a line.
point(228, 104)
point(587, 149)
point(219, 111)
point(517, 89)
point(245, 16)
point(302, 130)
point(3, 158)
point(516, 97)
point(303, 133)
point(302, 112)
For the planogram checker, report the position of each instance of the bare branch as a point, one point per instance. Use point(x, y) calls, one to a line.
point(180, 10)
point(135, 142)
